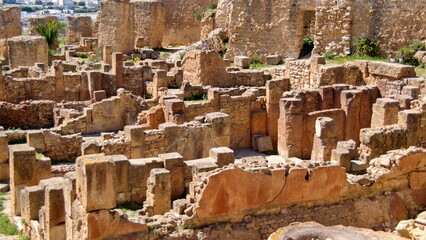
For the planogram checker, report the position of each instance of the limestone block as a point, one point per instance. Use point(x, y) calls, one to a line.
point(174, 163)
point(32, 199)
point(69, 191)
point(95, 183)
point(121, 166)
point(199, 165)
point(57, 232)
point(343, 157)
point(22, 164)
point(90, 147)
point(222, 156)
point(4, 149)
point(54, 205)
point(385, 112)
point(325, 127)
point(99, 95)
point(242, 61)
point(158, 194)
point(221, 127)
point(392, 70)
point(258, 122)
point(273, 59)
point(36, 140)
point(411, 91)
point(139, 170)
point(27, 50)
point(327, 97)
point(136, 136)
point(264, 143)
point(202, 68)
point(358, 166)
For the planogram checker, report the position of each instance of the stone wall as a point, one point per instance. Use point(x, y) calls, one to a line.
point(40, 20)
point(57, 147)
point(27, 50)
point(254, 27)
point(116, 25)
point(78, 27)
point(10, 22)
point(391, 177)
point(150, 22)
point(34, 114)
point(110, 114)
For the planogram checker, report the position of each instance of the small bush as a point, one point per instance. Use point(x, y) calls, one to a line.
point(254, 59)
point(417, 45)
point(366, 47)
point(406, 56)
point(329, 55)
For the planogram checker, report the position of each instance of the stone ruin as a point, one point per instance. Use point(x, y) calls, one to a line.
point(135, 145)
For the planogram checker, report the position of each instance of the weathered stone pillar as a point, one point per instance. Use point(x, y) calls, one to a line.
point(410, 119)
point(22, 173)
point(58, 72)
point(106, 54)
point(159, 81)
point(290, 128)
point(174, 111)
point(385, 112)
point(350, 101)
point(137, 139)
point(325, 139)
point(327, 97)
point(94, 83)
point(221, 128)
point(84, 86)
point(274, 91)
point(32, 199)
point(222, 156)
point(337, 89)
point(54, 212)
point(118, 68)
point(158, 194)
point(174, 163)
point(95, 183)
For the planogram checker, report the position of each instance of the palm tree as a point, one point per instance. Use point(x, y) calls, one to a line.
point(50, 31)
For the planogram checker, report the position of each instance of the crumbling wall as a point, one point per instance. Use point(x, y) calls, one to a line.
point(57, 147)
point(27, 50)
point(254, 27)
point(150, 22)
point(181, 26)
point(34, 114)
point(116, 25)
point(10, 26)
point(283, 187)
point(78, 27)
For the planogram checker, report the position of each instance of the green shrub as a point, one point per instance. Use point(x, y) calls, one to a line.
point(308, 46)
point(406, 56)
point(329, 55)
point(366, 47)
point(255, 59)
point(417, 45)
point(199, 13)
point(50, 31)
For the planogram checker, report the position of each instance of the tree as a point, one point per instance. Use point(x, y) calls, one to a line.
point(81, 4)
point(50, 31)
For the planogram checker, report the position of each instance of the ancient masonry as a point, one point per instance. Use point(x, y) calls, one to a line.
point(115, 138)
